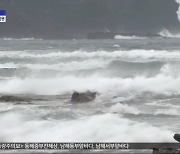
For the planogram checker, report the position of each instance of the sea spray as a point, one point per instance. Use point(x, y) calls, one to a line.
point(178, 11)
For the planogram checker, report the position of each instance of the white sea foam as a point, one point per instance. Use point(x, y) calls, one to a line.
point(170, 111)
point(171, 69)
point(61, 84)
point(139, 54)
point(64, 66)
point(4, 107)
point(8, 65)
point(18, 127)
point(163, 103)
point(116, 45)
point(23, 39)
point(124, 108)
point(128, 37)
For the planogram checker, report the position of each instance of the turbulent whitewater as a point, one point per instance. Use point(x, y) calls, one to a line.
point(137, 81)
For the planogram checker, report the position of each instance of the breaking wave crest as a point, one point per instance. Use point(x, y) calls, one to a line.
point(139, 54)
point(63, 84)
point(168, 34)
point(64, 66)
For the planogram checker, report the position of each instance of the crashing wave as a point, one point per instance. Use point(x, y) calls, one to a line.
point(140, 54)
point(165, 33)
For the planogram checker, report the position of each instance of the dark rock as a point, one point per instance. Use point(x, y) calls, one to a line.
point(9, 98)
point(83, 97)
point(177, 137)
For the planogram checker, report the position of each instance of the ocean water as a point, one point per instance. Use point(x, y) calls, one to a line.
point(137, 81)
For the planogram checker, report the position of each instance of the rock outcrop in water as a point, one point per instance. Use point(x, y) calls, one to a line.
point(177, 137)
point(10, 98)
point(83, 97)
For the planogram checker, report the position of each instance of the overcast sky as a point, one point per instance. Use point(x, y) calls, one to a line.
point(76, 18)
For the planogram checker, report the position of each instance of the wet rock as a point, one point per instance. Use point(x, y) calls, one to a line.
point(83, 97)
point(177, 137)
point(10, 98)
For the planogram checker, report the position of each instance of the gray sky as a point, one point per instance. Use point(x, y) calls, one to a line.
point(75, 18)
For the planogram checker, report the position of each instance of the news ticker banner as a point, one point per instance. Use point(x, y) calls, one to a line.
point(85, 146)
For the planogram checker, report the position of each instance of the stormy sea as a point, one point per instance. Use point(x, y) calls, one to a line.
point(136, 80)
